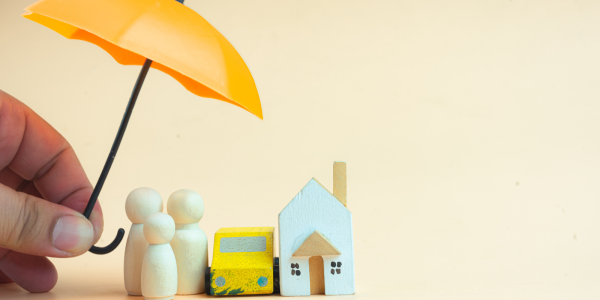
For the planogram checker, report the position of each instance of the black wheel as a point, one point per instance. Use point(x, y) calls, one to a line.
point(276, 275)
point(207, 281)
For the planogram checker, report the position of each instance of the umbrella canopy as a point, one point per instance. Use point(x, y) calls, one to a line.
point(179, 41)
point(161, 34)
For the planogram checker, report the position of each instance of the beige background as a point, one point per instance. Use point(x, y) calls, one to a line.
point(470, 129)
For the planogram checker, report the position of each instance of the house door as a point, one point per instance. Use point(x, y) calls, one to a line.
point(317, 275)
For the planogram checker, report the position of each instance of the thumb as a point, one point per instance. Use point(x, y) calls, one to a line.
point(35, 226)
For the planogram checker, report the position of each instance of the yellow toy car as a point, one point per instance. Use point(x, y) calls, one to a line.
point(243, 262)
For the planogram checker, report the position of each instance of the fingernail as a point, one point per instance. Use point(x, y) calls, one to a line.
point(73, 234)
point(98, 225)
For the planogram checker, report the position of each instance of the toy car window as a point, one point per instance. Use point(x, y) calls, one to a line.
point(243, 244)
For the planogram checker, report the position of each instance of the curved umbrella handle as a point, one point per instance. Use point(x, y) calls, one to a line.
point(112, 246)
point(111, 157)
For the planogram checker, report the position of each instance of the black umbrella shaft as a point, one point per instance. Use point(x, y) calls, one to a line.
point(111, 158)
point(118, 138)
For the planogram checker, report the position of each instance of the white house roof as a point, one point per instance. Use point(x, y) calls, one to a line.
point(315, 189)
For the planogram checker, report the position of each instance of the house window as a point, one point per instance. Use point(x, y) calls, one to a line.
point(336, 267)
point(294, 271)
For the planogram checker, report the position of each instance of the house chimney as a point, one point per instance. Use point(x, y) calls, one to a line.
point(339, 181)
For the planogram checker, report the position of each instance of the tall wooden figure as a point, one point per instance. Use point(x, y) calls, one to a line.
point(159, 269)
point(140, 203)
point(190, 244)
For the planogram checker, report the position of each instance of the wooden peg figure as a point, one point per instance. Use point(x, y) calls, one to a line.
point(190, 243)
point(159, 268)
point(140, 203)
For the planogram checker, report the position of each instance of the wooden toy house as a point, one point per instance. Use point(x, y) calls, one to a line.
point(315, 241)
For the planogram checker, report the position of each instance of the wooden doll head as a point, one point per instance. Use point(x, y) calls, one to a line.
point(185, 206)
point(159, 228)
point(141, 203)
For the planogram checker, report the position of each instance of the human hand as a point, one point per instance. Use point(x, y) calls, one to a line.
point(42, 190)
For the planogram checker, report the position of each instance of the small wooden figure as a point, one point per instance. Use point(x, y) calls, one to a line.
point(315, 240)
point(159, 269)
point(243, 262)
point(190, 244)
point(140, 203)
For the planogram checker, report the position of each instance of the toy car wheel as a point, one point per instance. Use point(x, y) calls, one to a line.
point(276, 275)
point(207, 280)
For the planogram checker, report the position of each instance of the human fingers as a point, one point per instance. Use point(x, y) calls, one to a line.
point(35, 274)
point(15, 182)
point(10, 178)
point(36, 152)
point(4, 278)
point(34, 226)
point(29, 188)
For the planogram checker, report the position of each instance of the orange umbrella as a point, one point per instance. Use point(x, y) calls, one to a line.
point(161, 34)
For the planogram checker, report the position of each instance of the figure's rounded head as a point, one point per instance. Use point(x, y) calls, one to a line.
point(159, 228)
point(185, 206)
point(141, 203)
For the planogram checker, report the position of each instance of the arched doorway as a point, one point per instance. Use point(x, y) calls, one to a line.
point(317, 275)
